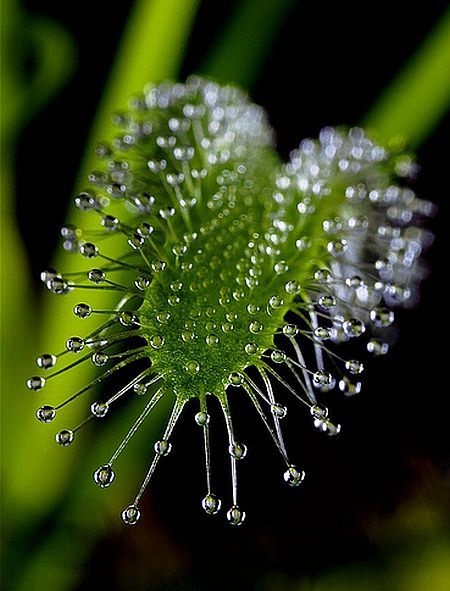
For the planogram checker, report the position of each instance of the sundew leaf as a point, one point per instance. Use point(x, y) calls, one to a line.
point(215, 243)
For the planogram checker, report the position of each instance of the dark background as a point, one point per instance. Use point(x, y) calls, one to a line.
point(328, 65)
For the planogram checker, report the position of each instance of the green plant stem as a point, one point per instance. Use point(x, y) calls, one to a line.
point(241, 50)
point(413, 104)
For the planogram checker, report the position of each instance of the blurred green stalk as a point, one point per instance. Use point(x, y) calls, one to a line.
point(417, 99)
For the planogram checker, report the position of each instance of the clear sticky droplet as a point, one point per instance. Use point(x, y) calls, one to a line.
point(58, 286)
point(131, 515)
point(99, 409)
point(255, 327)
point(158, 266)
point(354, 366)
point(323, 276)
point(104, 476)
point(236, 379)
point(235, 515)
point(279, 411)
point(251, 348)
point(163, 317)
point(85, 201)
point(88, 250)
point(142, 282)
point(179, 249)
point(292, 287)
point(173, 300)
point(140, 389)
point(253, 309)
point(202, 418)
point(157, 341)
point(99, 358)
point(353, 327)
point(212, 339)
point(278, 356)
point(281, 267)
point(324, 333)
point(64, 437)
point(348, 387)
point(75, 344)
point(382, 317)
point(35, 383)
point(46, 413)
point(188, 335)
point(46, 361)
point(96, 276)
point(192, 367)
point(127, 318)
point(337, 247)
point(237, 450)
point(377, 347)
point(110, 223)
point(162, 447)
point(290, 330)
point(293, 476)
point(354, 281)
point(211, 504)
point(275, 302)
point(326, 302)
point(326, 426)
point(318, 411)
point(323, 380)
point(82, 310)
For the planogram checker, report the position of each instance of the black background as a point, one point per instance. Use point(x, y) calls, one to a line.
point(328, 65)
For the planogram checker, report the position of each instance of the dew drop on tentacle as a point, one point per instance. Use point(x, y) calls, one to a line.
point(377, 347)
point(65, 437)
point(238, 451)
point(354, 366)
point(140, 389)
point(75, 344)
point(35, 383)
point(278, 356)
point(293, 476)
point(279, 411)
point(104, 476)
point(82, 310)
point(323, 381)
point(318, 411)
point(211, 504)
point(235, 515)
point(324, 333)
point(131, 515)
point(353, 327)
point(99, 409)
point(349, 387)
point(202, 418)
point(290, 330)
point(382, 317)
point(163, 447)
point(46, 413)
point(88, 250)
point(99, 358)
point(96, 276)
point(46, 361)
